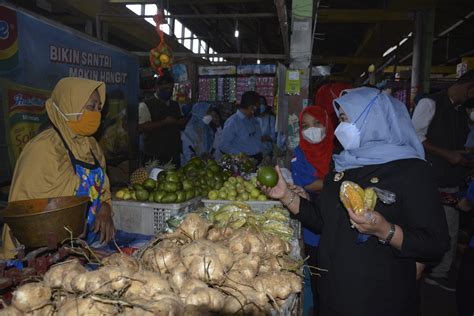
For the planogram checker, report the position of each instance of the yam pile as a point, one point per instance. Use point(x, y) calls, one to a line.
point(197, 270)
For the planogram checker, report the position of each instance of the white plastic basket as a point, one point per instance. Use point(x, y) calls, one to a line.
point(147, 218)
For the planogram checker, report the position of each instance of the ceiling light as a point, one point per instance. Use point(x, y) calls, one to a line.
point(236, 33)
point(363, 74)
point(258, 61)
point(388, 51)
point(403, 41)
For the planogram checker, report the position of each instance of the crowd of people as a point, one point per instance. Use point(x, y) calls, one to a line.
point(371, 263)
point(199, 131)
point(366, 136)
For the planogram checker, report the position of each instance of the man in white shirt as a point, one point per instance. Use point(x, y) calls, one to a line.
point(442, 127)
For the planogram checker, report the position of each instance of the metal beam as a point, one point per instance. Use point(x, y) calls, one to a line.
point(324, 15)
point(283, 20)
point(363, 16)
point(428, 34)
point(315, 59)
point(434, 69)
point(195, 16)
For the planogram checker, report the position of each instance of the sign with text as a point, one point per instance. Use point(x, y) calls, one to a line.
point(41, 52)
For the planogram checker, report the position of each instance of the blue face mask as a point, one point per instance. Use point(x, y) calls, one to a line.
point(165, 95)
point(263, 108)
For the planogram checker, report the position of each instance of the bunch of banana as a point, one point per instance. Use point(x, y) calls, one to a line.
point(357, 199)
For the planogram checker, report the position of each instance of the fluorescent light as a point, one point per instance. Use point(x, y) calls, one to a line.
point(403, 41)
point(388, 51)
point(236, 33)
point(363, 74)
point(258, 61)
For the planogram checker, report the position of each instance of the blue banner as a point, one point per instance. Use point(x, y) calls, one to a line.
point(48, 52)
point(36, 53)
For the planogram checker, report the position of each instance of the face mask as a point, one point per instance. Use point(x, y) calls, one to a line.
point(207, 119)
point(471, 116)
point(86, 125)
point(263, 107)
point(348, 135)
point(314, 135)
point(165, 95)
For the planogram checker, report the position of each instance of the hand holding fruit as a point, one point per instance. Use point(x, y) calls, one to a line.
point(279, 190)
point(370, 223)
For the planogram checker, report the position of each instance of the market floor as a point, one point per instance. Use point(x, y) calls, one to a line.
point(437, 302)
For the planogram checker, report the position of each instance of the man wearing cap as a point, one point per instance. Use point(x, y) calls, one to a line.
point(442, 126)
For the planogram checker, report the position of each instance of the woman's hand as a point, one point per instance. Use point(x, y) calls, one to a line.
point(370, 223)
point(104, 224)
point(279, 191)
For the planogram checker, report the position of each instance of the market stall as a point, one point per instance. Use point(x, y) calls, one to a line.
point(206, 255)
point(224, 85)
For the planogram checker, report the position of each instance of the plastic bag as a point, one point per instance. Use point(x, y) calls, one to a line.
point(385, 196)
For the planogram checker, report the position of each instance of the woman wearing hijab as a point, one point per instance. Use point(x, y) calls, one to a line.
point(310, 165)
point(65, 159)
point(381, 149)
point(313, 155)
point(198, 136)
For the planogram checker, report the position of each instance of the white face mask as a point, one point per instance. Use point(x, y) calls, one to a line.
point(471, 116)
point(67, 114)
point(348, 135)
point(207, 119)
point(314, 135)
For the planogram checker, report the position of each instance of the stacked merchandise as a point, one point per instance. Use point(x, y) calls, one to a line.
point(245, 84)
point(265, 87)
point(229, 89)
point(220, 89)
point(207, 89)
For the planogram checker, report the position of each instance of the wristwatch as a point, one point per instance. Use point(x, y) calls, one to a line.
point(391, 232)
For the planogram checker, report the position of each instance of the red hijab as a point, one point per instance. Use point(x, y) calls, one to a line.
point(326, 95)
point(318, 155)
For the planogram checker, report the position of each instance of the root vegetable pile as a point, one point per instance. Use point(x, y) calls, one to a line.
point(195, 270)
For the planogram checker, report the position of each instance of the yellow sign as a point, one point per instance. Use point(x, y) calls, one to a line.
point(24, 112)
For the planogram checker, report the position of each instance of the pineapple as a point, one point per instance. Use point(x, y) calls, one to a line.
point(141, 174)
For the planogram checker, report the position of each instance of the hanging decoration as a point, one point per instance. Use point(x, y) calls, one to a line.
point(161, 57)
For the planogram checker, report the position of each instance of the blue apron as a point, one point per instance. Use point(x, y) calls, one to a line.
point(91, 185)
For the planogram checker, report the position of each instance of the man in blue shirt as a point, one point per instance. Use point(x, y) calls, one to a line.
point(241, 133)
